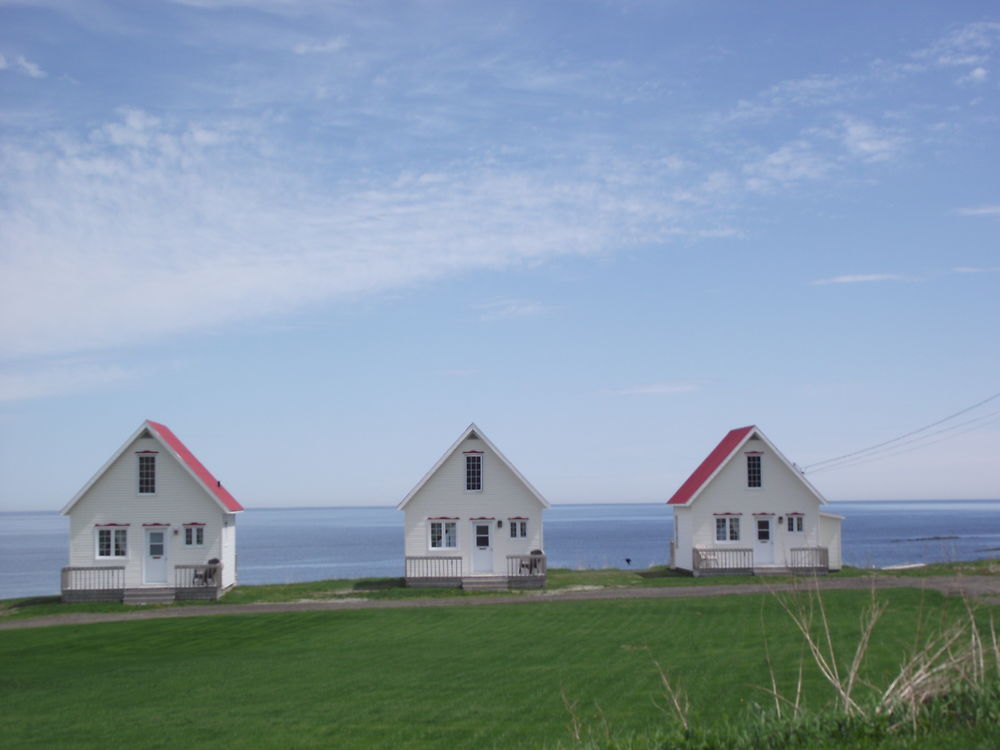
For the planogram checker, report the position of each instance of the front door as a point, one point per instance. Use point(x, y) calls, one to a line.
point(482, 552)
point(155, 563)
point(763, 549)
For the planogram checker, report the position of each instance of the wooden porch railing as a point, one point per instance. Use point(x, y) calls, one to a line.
point(526, 565)
point(433, 567)
point(102, 578)
point(722, 558)
point(198, 576)
point(814, 558)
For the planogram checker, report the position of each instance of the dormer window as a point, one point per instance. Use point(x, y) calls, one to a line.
point(147, 474)
point(754, 476)
point(473, 472)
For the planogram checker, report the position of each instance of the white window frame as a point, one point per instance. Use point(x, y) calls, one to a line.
point(113, 532)
point(479, 458)
point(518, 528)
point(760, 471)
point(444, 535)
point(194, 536)
point(728, 526)
point(138, 473)
point(795, 524)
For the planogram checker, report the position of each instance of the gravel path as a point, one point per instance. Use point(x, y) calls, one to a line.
point(981, 588)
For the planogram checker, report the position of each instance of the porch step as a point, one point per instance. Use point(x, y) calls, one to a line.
point(149, 596)
point(485, 583)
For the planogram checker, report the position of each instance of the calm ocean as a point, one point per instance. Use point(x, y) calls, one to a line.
point(303, 544)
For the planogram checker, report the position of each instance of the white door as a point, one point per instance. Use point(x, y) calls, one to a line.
point(763, 548)
point(482, 551)
point(155, 563)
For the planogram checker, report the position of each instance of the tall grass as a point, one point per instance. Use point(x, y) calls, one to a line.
point(946, 690)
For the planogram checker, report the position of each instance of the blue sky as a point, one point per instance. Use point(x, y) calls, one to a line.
point(319, 239)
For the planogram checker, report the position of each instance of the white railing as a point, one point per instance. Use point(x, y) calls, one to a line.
point(722, 558)
point(198, 576)
point(103, 578)
point(815, 558)
point(433, 567)
point(526, 565)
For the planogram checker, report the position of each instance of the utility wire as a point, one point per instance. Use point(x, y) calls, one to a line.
point(990, 419)
point(911, 441)
point(901, 437)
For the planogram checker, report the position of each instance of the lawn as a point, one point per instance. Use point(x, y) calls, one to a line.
point(508, 676)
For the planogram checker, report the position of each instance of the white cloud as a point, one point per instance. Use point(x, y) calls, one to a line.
point(793, 162)
point(868, 142)
point(979, 211)
point(330, 45)
point(59, 378)
point(24, 66)
point(659, 389)
point(975, 76)
point(976, 269)
point(512, 308)
point(141, 229)
point(862, 278)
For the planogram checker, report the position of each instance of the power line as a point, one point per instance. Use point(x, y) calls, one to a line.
point(916, 444)
point(901, 437)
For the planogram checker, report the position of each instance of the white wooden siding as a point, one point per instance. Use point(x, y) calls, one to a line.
point(782, 493)
point(503, 496)
point(179, 499)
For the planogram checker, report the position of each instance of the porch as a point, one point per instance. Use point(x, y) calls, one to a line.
point(735, 561)
point(522, 572)
point(106, 583)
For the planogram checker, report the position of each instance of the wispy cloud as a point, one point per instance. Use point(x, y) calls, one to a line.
point(659, 389)
point(313, 48)
point(511, 308)
point(976, 269)
point(183, 227)
point(862, 278)
point(60, 378)
point(866, 141)
point(792, 163)
point(24, 66)
point(979, 211)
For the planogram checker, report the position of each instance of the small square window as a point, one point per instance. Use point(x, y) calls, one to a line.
point(518, 529)
point(112, 543)
point(194, 536)
point(444, 535)
point(727, 529)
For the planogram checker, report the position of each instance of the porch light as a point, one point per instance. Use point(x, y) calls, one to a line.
point(780, 519)
point(499, 524)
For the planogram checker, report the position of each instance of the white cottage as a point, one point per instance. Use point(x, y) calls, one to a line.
point(474, 521)
point(152, 525)
point(746, 509)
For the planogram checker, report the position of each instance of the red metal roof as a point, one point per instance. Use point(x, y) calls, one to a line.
point(710, 465)
point(197, 468)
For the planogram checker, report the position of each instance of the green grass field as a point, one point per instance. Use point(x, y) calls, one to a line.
point(505, 676)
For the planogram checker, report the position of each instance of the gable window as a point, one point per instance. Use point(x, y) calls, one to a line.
point(473, 472)
point(147, 474)
point(194, 536)
point(112, 542)
point(444, 535)
point(727, 529)
point(795, 523)
point(518, 529)
point(753, 470)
